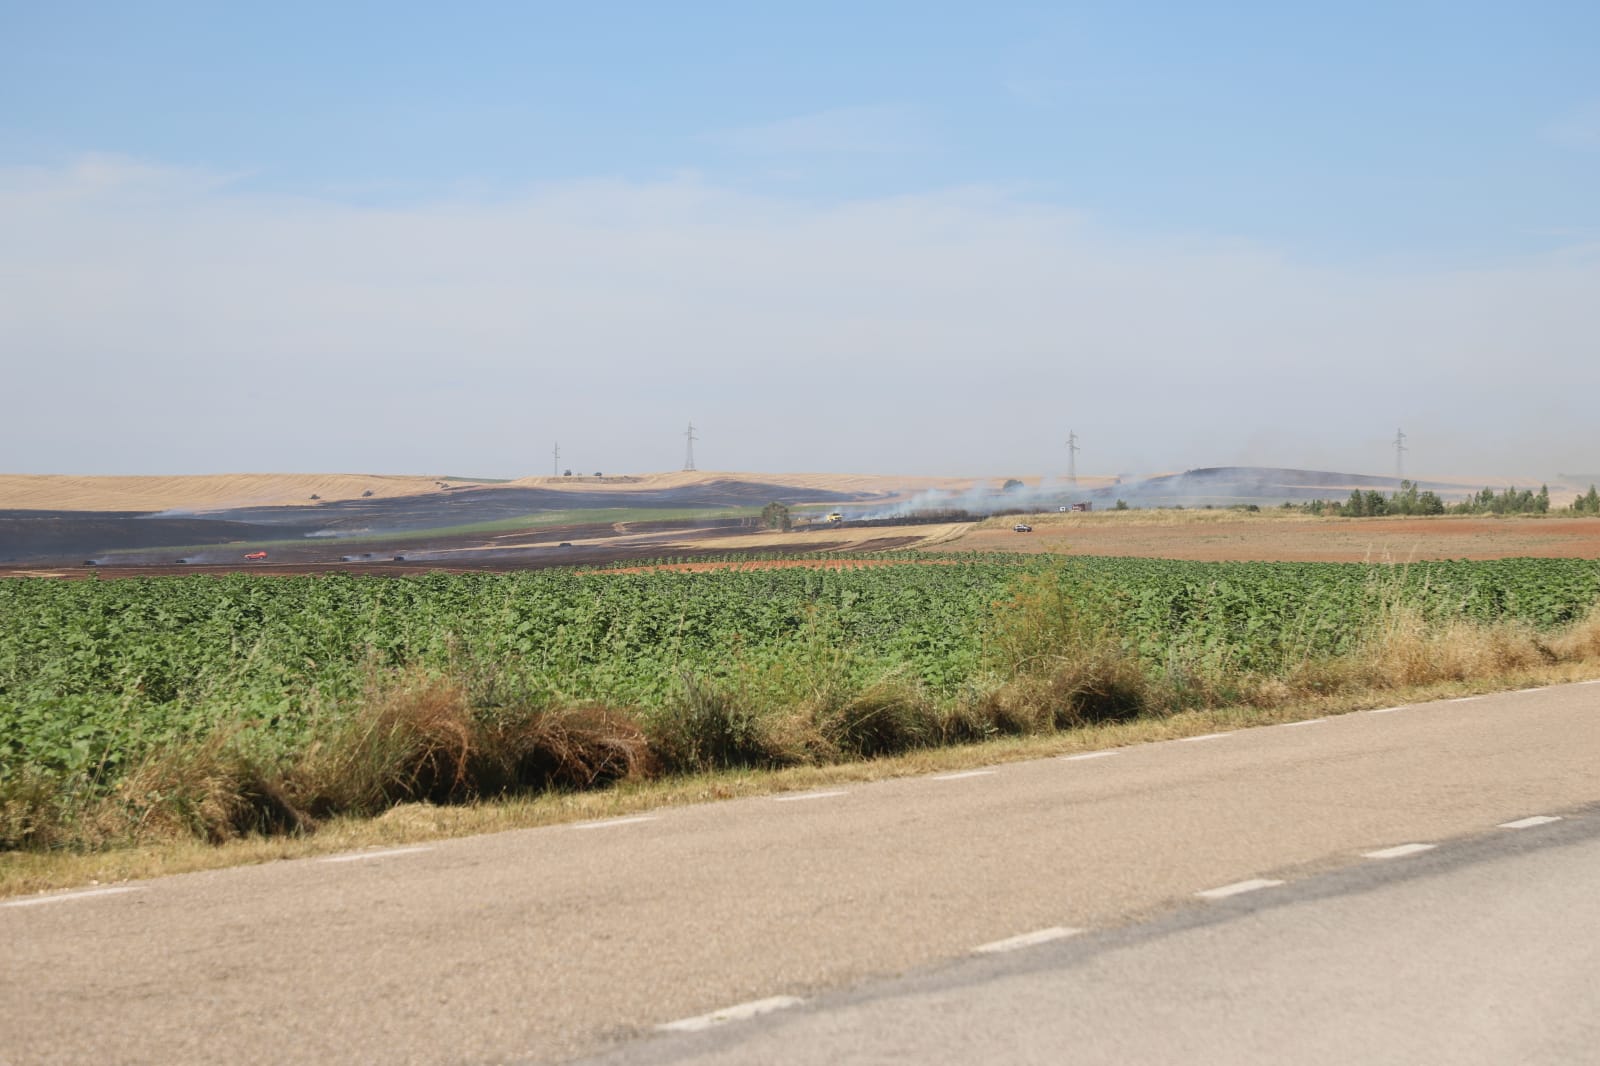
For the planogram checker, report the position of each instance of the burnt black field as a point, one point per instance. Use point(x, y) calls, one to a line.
point(382, 529)
point(342, 530)
point(60, 536)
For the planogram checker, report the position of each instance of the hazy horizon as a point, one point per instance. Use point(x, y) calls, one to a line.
point(896, 239)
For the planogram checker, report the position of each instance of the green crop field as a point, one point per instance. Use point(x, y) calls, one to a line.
point(94, 675)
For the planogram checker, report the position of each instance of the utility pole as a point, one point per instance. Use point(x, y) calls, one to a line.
point(555, 460)
point(1400, 450)
point(688, 457)
point(1072, 457)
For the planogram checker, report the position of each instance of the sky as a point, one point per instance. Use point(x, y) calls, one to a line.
point(896, 238)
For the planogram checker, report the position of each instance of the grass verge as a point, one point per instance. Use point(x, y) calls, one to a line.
point(413, 822)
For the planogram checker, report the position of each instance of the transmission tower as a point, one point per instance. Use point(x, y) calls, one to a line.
point(555, 460)
point(1400, 450)
point(688, 456)
point(1072, 457)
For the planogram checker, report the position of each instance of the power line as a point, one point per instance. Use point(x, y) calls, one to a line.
point(688, 457)
point(555, 460)
point(1400, 450)
point(1072, 457)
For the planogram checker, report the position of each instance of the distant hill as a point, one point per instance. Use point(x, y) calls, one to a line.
point(1234, 485)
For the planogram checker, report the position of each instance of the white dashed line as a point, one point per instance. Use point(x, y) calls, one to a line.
point(802, 797)
point(609, 822)
point(1204, 736)
point(737, 1013)
point(963, 774)
point(1529, 823)
point(359, 856)
point(1026, 940)
point(62, 897)
point(1238, 888)
point(1399, 851)
point(1089, 755)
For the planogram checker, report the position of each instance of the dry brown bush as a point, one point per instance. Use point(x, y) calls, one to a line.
point(1579, 642)
point(891, 716)
point(32, 810)
point(206, 789)
point(568, 748)
point(412, 738)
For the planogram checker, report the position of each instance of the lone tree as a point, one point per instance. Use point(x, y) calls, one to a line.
point(775, 515)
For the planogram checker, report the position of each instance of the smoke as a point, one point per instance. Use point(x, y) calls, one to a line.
point(1204, 487)
point(981, 499)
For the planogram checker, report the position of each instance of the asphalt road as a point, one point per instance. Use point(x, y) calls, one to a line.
point(1477, 953)
point(551, 944)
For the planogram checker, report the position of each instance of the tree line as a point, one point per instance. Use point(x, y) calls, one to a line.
point(1413, 500)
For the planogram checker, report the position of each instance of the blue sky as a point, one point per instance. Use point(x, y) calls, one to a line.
point(1197, 234)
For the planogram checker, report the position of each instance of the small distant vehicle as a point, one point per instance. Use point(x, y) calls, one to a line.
point(1022, 527)
point(833, 518)
point(255, 557)
point(91, 562)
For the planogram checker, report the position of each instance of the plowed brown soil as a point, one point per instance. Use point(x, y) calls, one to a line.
point(777, 564)
point(1221, 537)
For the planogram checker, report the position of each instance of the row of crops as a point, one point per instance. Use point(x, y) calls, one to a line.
point(94, 672)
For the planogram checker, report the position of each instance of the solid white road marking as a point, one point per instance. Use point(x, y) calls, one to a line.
point(609, 822)
point(1399, 851)
point(1238, 888)
point(1308, 721)
point(1464, 699)
point(1387, 710)
point(802, 797)
point(358, 856)
point(737, 1013)
point(60, 897)
point(962, 774)
point(1089, 755)
point(1204, 736)
point(1529, 823)
point(1027, 940)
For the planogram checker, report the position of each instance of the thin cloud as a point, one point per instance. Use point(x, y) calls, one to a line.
point(1580, 129)
point(157, 320)
point(872, 130)
point(1034, 91)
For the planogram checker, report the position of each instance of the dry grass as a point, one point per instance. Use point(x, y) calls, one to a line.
point(1405, 651)
point(65, 492)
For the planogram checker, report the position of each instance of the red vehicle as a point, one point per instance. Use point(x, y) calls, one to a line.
point(255, 557)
